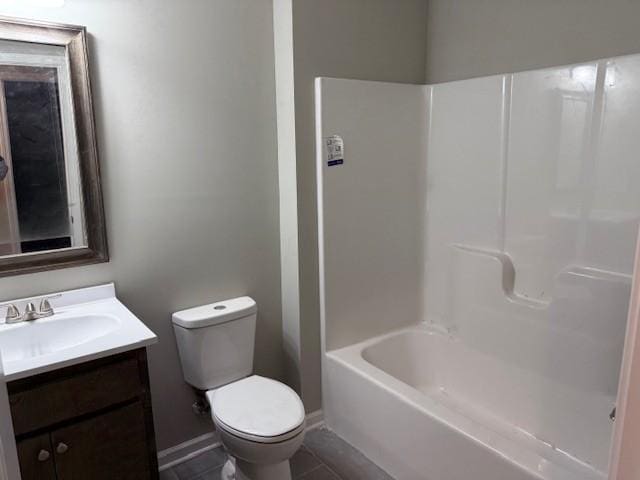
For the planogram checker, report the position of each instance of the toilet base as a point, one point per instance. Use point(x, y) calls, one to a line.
point(236, 469)
point(229, 470)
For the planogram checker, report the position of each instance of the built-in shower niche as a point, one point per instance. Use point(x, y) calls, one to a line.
point(515, 197)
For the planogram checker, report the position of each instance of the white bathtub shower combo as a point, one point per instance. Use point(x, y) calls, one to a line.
point(476, 252)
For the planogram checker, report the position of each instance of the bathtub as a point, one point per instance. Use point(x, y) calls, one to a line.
point(426, 406)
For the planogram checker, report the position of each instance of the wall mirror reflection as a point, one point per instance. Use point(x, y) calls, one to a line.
point(51, 212)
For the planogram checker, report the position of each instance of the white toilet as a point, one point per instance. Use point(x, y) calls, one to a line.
point(260, 420)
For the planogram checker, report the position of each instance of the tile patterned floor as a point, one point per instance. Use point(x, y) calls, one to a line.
point(324, 456)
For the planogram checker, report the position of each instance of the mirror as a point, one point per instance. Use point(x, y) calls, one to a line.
point(51, 212)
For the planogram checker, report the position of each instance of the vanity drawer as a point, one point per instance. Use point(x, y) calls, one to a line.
point(50, 398)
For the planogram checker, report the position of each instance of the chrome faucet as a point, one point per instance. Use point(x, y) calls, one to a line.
point(30, 313)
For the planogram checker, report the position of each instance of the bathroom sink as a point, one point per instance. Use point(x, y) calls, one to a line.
point(53, 334)
point(88, 323)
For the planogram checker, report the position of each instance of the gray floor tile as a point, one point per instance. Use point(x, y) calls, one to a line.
point(320, 473)
point(324, 456)
point(342, 458)
point(169, 474)
point(203, 463)
point(215, 474)
point(303, 461)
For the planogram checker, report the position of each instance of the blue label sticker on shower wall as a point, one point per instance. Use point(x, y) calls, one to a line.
point(334, 148)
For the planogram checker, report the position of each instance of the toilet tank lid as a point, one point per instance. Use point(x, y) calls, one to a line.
point(215, 313)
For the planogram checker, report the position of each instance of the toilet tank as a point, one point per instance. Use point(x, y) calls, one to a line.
point(215, 342)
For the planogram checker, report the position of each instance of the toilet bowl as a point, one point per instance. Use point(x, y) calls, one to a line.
point(261, 424)
point(260, 420)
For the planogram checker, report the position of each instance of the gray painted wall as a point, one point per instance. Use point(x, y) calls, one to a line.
point(471, 38)
point(185, 109)
point(363, 39)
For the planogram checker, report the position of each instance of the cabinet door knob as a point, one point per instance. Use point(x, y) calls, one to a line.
point(62, 448)
point(43, 456)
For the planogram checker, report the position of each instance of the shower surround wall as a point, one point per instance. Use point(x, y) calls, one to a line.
point(476, 254)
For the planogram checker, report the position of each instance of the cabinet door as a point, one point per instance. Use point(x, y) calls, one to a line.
point(107, 447)
point(36, 458)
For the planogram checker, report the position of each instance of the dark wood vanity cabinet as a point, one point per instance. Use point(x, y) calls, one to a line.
point(88, 421)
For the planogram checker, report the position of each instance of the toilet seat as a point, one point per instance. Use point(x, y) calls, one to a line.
point(256, 438)
point(257, 409)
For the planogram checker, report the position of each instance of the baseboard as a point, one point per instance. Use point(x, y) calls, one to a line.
point(192, 448)
point(314, 420)
point(187, 450)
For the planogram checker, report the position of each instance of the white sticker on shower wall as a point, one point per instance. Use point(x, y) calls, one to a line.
point(334, 150)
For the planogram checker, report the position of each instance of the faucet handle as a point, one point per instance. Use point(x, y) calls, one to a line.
point(30, 312)
point(13, 314)
point(45, 307)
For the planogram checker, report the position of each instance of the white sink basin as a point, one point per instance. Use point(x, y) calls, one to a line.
point(89, 323)
point(53, 334)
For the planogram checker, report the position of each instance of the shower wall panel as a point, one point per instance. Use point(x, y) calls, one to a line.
point(371, 207)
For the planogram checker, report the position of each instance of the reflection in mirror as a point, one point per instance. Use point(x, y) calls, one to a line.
point(40, 188)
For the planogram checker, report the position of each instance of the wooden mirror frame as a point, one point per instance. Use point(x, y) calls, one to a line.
point(73, 39)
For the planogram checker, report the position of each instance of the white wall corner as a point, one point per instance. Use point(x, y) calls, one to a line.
point(287, 182)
